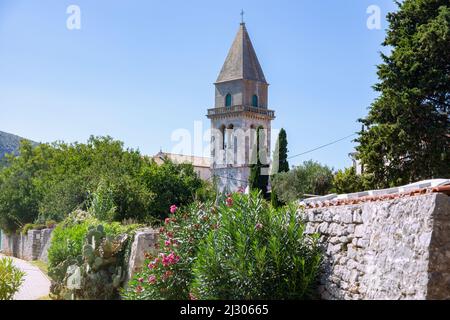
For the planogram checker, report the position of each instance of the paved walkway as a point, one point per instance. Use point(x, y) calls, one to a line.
point(36, 284)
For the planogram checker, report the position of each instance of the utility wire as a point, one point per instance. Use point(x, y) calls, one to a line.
point(294, 156)
point(323, 146)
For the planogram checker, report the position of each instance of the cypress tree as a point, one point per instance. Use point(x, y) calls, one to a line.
point(259, 178)
point(408, 129)
point(280, 163)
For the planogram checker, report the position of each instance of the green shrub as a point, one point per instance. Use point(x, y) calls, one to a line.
point(241, 248)
point(11, 278)
point(31, 226)
point(50, 224)
point(168, 275)
point(258, 252)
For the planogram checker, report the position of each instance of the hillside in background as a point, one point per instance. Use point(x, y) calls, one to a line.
point(9, 143)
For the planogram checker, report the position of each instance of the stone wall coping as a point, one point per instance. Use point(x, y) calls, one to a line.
point(424, 187)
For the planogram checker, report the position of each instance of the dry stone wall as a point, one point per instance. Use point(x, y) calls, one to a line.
point(389, 249)
point(32, 246)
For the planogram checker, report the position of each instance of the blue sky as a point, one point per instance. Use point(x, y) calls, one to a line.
point(138, 70)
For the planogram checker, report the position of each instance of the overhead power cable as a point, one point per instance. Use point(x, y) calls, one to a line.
point(323, 146)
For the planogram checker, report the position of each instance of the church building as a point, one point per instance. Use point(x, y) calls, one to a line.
point(241, 106)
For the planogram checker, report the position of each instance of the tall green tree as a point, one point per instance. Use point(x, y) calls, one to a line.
point(408, 132)
point(280, 157)
point(19, 195)
point(280, 162)
point(259, 178)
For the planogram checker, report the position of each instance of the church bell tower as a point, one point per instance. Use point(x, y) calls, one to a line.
point(241, 106)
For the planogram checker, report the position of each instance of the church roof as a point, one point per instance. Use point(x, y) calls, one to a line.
point(241, 62)
point(196, 161)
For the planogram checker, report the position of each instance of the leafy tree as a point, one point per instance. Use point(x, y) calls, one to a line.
point(309, 178)
point(172, 183)
point(47, 182)
point(347, 181)
point(19, 196)
point(408, 133)
point(259, 179)
point(280, 162)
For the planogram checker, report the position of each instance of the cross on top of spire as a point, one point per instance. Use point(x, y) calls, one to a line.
point(242, 16)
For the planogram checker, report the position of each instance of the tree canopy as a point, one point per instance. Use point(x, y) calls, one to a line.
point(310, 178)
point(407, 136)
point(51, 180)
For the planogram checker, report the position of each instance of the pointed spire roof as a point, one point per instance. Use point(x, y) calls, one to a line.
point(241, 62)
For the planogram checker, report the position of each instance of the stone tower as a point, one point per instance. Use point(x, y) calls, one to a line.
point(241, 106)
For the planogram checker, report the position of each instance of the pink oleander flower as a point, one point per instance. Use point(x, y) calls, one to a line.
point(191, 296)
point(167, 243)
point(259, 226)
point(152, 265)
point(229, 202)
point(140, 280)
point(152, 279)
point(170, 259)
point(167, 274)
point(173, 209)
point(139, 289)
point(161, 230)
point(167, 220)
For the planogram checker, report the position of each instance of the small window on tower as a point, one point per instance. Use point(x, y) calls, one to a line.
point(228, 100)
point(255, 101)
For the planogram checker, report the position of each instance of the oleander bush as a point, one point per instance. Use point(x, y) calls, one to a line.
point(168, 275)
point(239, 248)
point(258, 252)
point(11, 278)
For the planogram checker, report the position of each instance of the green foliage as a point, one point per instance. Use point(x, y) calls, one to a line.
point(98, 249)
point(102, 204)
point(280, 158)
point(47, 182)
point(168, 274)
point(309, 178)
point(11, 278)
point(258, 252)
point(172, 183)
point(50, 224)
point(240, 248)
point(408, 133)
point(347, 181)
point(258, 181)
point(32, 226)
point(19, 197)
point(280, 163)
